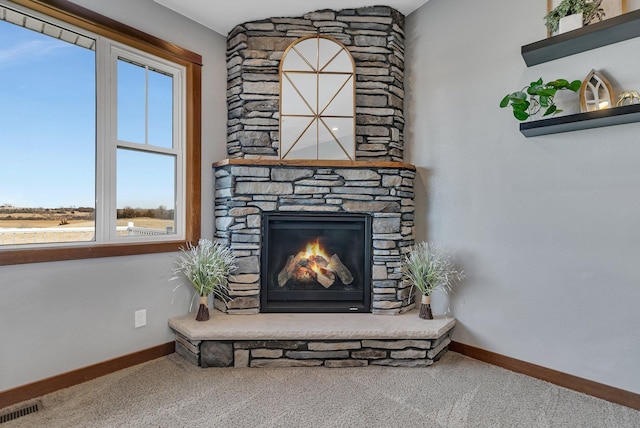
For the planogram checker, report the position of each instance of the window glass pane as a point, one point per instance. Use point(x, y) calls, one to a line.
point(145, 193)
point(160, 109)
point(47, 139)
point(132, 94)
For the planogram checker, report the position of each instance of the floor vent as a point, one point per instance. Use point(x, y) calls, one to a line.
point(19, 412)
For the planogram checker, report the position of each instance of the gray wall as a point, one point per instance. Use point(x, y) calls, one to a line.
point(547, 227)
point(57, 317)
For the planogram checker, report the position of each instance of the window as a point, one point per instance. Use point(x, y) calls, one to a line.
point(317, 107)
point(95, 142)
point(148, 147)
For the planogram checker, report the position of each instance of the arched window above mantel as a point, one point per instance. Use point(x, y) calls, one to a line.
point(317, 100)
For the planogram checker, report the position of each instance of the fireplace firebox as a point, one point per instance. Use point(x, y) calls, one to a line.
point(316, 262)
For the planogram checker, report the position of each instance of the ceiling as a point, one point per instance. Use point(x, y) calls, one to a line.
point(221, 18)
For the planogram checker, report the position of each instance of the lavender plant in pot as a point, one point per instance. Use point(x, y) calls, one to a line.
point(429, 268)
point(207, 266)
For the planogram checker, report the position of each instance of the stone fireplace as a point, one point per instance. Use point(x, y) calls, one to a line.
point(255, 185)
point(365, 204)
point(246, 190)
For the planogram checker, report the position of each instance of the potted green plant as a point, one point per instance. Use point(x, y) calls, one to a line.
point(590, 10)
point(537, 95)
point(429, 268)
point(207, 267)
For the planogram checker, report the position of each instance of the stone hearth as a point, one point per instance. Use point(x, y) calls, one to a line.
point(306, 340)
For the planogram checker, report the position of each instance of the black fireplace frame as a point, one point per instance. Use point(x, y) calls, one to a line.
point(326, 305)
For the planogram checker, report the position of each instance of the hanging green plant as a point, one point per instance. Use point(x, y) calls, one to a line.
point(536, 96)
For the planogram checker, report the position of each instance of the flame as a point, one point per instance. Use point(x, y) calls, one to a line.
point(314, 249)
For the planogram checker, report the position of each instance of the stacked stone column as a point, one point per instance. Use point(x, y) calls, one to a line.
point(375, 38)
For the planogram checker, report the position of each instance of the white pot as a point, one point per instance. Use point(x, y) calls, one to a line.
point(569, 23)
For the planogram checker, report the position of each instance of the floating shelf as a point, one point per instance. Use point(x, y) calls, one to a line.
point(579, 121)
point(592, 36)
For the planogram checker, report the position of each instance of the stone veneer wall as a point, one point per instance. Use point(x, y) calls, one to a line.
point(310, 353)
point(375, 38)
point(384, 190)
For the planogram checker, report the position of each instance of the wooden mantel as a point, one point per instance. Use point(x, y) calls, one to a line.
point(315, 163)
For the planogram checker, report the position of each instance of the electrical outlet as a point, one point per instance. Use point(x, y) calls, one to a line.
point(140, 318)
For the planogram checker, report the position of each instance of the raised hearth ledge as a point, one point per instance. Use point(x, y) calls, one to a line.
point(311, 326)
point(315, 163)
point(312, 340)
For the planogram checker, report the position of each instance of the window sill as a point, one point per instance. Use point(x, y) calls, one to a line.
point(41, 255)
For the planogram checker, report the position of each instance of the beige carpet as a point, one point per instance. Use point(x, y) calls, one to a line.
point(455, 392)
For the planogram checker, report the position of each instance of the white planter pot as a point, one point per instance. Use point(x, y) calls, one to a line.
point(569, 23)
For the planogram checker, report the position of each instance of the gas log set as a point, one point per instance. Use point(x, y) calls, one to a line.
point(313, 265)
point(316, 262)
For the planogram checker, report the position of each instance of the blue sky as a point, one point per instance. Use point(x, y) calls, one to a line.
point(47, 127)
point(47, 111)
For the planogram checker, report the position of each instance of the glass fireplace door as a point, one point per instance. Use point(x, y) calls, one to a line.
point(316, 263)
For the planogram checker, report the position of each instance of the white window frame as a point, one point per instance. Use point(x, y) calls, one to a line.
point(117, 51)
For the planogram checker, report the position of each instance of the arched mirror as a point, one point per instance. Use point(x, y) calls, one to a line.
point(317, 100)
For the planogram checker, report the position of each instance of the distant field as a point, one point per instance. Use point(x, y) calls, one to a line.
point(43, 217)
point(61, 225)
